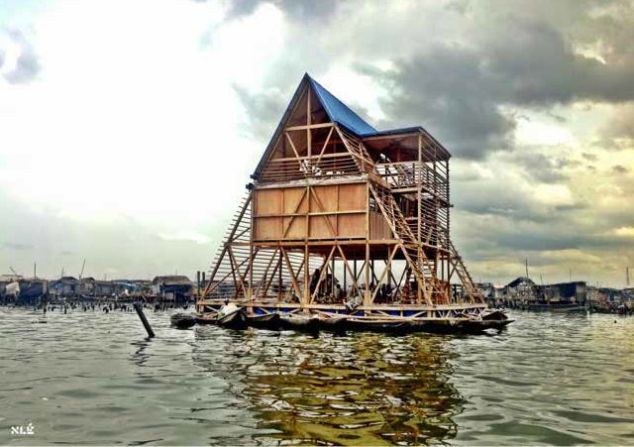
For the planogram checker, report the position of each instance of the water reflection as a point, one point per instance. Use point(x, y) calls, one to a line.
point(358, 389)
point(87, 377)
point(140, 355)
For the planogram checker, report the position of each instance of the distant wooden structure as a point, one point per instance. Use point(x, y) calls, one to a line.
point(342, 218)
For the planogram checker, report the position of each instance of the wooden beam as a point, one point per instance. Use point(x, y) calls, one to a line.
point(324, 268)
point(210, 285)
point(385, 271)
point(321, 206)
point(323, 149)
point(298, 291)
point(353, 275)
point(288, 137)
point(309, 126)
point(290, 223)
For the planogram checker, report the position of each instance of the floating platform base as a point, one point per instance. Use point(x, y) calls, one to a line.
point(393, 319)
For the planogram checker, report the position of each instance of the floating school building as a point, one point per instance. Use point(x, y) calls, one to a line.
point(344, 219)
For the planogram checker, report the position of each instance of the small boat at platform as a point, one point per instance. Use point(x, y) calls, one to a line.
point(183, 321)
point(231, 316)
point(333, 323)
point(264, 321)
point(300, 322)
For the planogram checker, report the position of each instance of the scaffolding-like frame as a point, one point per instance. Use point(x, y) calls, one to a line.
point(297, 244)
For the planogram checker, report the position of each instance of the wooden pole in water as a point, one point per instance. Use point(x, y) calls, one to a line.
point(146, 324)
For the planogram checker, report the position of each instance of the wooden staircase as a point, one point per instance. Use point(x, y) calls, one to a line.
point(357, 149)
point(465, 278)
point(421, 267)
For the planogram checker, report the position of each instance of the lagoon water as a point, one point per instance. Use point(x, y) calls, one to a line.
point(93, 378)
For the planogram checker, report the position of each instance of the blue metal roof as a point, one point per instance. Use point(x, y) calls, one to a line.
point(341, 113)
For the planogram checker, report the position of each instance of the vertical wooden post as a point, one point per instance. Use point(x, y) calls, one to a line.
point(250, 291)
point(345, 277)
point(388, 267)
point(367, 296)
point(332, 273)
point(279, 279)
point(146, 324)
point(306, 294)
point(419, 251)
point(354, 271)
point(419, 181)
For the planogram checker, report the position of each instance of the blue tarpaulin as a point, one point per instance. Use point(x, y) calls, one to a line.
point(341, 113)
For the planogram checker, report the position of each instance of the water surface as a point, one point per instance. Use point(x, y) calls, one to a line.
point(94, 378)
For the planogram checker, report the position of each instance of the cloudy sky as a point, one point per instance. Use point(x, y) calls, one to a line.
point(128, 129)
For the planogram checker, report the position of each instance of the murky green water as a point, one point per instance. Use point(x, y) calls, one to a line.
point(93, 378)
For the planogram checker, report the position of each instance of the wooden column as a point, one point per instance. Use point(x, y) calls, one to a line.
point(279, 279)
point(367, 297)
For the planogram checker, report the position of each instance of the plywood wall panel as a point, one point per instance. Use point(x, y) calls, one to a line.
point(353, 196)
point(268, 228)
point(351, 225)
point(292, 197)
point(379, 228)
point(326, 198)
point(268, 201)
point(319, 228)
point(295, 227)
point(281, 213)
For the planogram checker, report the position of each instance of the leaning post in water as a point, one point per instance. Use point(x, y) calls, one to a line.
point(146, 324)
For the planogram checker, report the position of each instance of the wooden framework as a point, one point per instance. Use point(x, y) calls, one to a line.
point(337, 222)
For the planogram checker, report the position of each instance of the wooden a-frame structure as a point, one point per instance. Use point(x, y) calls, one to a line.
point(341, 217)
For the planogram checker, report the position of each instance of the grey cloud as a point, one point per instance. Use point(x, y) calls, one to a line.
point(538, 241)
point(619, 169)
point(621, 125)
point(443, 91)
point(513, 237)
point(462, 86)
point(302, 10)
point(27, 64)
point(497, 197)
point(17, 246)
point(546, 168)
point(589, 157)
point(264, 111)
point(458, 90)
point(64, 242)
point(535, 64)
point(548, 239)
